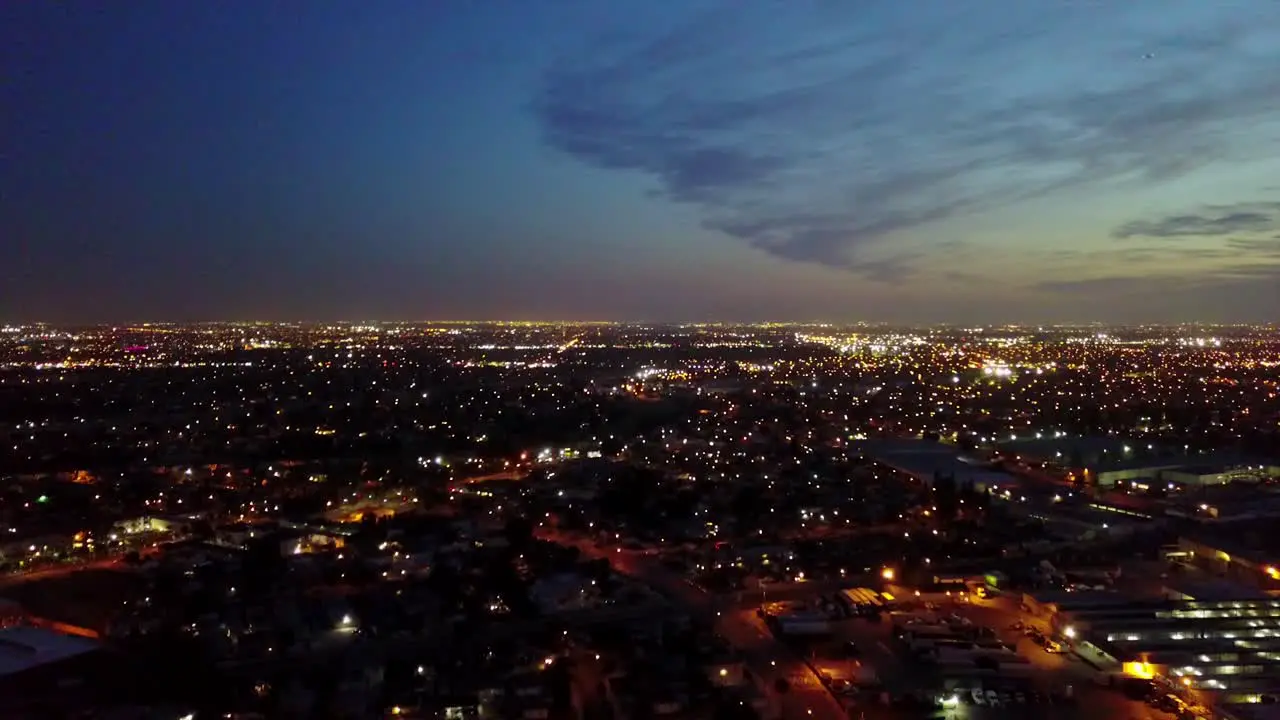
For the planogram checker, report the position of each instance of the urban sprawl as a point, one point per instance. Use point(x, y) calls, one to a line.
point(593, 521)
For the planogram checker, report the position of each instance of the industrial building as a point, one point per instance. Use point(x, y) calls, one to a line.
point(1249, 554)
point(41, 668)
point(926, 460)
point(1107, 461)
point(1213, 651)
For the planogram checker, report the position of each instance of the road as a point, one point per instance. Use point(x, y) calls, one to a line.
point(771, 660)
point(506, 475)
point(735, 620)
point(19, 578)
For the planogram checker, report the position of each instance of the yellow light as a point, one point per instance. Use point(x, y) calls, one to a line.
point(1139, 669)
point(1069, 632)
point(888, 574)
point(1273, 572)
point(724, 672)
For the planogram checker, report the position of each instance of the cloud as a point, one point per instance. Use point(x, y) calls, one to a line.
point(1239, 293)
point(1214, 221)
point(1104, 285)
point(1266, 247)
point(821, 135)
point(1146, 254)
point(1220, 280)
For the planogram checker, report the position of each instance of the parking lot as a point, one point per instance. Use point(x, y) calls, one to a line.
point(1045, 683)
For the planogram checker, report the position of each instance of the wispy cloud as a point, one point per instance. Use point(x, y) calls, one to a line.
point(1232, 267)
point(1238, 293)
point(1265, 247)
point(818, 136)
point(1213, 221)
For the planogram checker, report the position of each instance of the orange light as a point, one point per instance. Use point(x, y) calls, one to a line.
point(888, 574)
point(1272, 572)
point(1139, 669)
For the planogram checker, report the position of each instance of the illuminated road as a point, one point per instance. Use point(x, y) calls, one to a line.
point(59, 572)
point(771, 660)
point(505, 475)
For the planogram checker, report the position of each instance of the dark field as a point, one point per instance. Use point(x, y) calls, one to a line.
point(87, 598)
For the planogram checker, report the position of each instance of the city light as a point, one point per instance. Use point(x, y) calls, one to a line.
point(1139, 669)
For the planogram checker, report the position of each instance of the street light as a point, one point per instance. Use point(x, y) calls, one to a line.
point(888, 574)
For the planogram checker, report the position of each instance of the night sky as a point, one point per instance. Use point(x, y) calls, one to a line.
point(896, 160)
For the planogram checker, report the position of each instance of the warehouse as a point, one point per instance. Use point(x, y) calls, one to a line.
point(1107, 461)
point(926, 460)
point(1215, 651)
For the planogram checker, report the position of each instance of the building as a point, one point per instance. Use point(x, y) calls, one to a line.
point(1247, 555)
point(1202, 474)
point(1225, 504)
point(1106, 461)
point(1210, 651)
point(40, 668)
point(926, 460)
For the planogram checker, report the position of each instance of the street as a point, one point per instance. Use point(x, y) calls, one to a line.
point(19, 578)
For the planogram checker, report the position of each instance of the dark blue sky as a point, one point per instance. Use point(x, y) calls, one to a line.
point(973, 160)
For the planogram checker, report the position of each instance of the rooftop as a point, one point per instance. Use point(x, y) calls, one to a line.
point(1069, 600)
point(1254, 539)
point(1102, 454)
point(924, 458)
point(23, 648)
point(1210, 588)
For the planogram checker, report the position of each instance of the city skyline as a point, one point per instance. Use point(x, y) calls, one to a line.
point(986, 162)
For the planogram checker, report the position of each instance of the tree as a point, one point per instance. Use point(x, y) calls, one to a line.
point(262, 564)
point(1075, 460)
point(946, 495)
point(970, 495)
point(519, 533)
